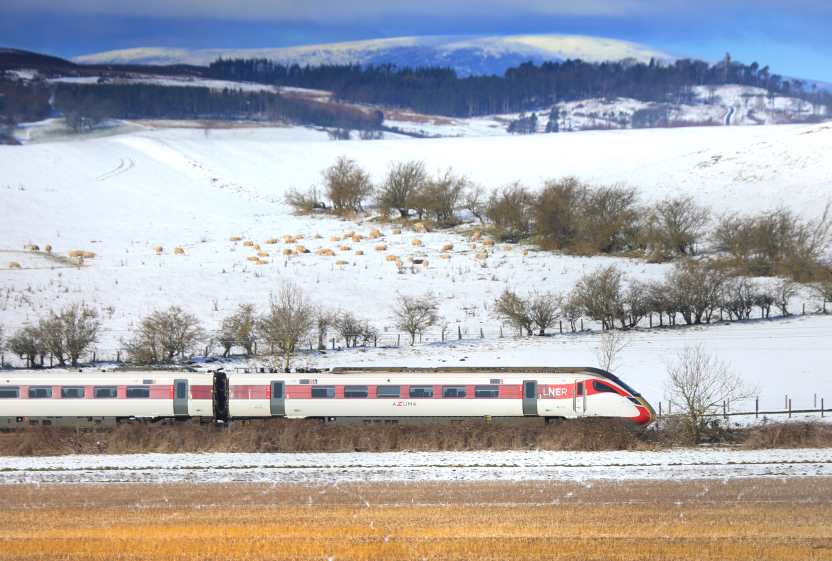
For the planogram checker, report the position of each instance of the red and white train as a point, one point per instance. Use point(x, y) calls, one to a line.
point(45, 397)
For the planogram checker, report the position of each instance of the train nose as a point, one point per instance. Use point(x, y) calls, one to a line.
point(646, 413)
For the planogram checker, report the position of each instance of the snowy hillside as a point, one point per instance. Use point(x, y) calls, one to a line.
point(122, 195)
point(468, 55)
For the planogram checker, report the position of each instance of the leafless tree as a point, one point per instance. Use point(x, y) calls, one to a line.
point(474, 202)
point(26, 343)
point(508, 210)
point(674, 226)
point(349, 328)
point(164, 335)
point(694, 288)
point(403, 181)
point(347, 185)
point(572, 311)
point(599, 295)
point(324, 320)
point(824, 290)
point(544, 309)
point(610, 346)
point(238, 330)
point(738, 297)
point(304, 202)
point(414, 315)
point(698, 384)
point(514, 310)
point(70, 332)
point(438, 197)
point(289, 319)
point(784, 291)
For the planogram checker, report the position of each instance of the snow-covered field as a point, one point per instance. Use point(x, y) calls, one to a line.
point(717, 464)
point(122, 195)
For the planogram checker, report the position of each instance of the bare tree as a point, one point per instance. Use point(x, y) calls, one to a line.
point(474, 202)
point(599, 295)
point(164, 335)
point(544, 309)
point(347, 185)
point(610, 346)
point(508, 210)
point(415, 314)
point(675, 226)
point(349, 328)
point(824, 290)
point(324, 320)
point(694, 289)
point(439, 197)
point(26, 343)
point(514, 310)
point(784, 291)
point(403, 181)
point(289, 319)
point(304, 202)
point(238, 330)
point(70, 332)
point(699, 384)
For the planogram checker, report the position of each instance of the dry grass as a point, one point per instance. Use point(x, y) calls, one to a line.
point(740, 520)
point(14, 265)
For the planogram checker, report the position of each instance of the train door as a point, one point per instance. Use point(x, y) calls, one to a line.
point(220, 396)
point(180, 398)
point(276, 402)
point(530, 398)
point(579, 399)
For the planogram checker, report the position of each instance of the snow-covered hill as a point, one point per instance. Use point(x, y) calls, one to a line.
point(121, 196)
point(468, 55)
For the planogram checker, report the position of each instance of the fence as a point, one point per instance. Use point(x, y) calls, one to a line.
point(757, 413)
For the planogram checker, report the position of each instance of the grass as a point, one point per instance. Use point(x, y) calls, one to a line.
point(703, 521)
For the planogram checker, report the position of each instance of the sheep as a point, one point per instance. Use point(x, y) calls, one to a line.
point(176, 251)
point(416, 242)
point(447, 247)
point(381, 247)
point(235, 238)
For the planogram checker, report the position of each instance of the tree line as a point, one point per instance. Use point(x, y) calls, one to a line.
point(526, 87)
point(576, 218)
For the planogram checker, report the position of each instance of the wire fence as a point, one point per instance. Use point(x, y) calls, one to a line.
point(665, 410)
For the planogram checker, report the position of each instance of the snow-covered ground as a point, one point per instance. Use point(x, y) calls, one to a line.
point(309, 468)
point(122, 195)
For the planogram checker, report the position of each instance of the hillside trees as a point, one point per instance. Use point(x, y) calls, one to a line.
point(403, 182)
point(415, 314)
point(287, 321)
point(68, 333)
point(347, 186)
point(238, 330)
point(164, 335)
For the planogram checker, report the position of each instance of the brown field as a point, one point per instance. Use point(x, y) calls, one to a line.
point(731, 520)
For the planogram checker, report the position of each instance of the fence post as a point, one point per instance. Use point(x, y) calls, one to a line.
point(333, 343)
point(560, 326)
point(118, 356)
point(815, 406)
point(420, 337)
point(660, 410)
point(790, 408)
point(375, 340)
point(804, 308)
point(482, 336)
point(255, 348)
point(757, 407)
point(50, 360)
point(668, 406)
point(651, 320)
point(821, 407)
point(459, 333)
point(786, 401)
point(501, 332)
point(582, 324)
point(398, 339)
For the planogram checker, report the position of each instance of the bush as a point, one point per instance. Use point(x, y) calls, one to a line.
point(347, 186)
point(609, 220)
point(415, 314)
point(693, 290)
point(163, 336)
point(557, 213)
point(777, 243)
point(509, 211)
point(674, 227)
point(404, 180)
point(289, 319)
point(439, 197)
point(304, 202)
point(69, 333)
point(27, 343)
point(539, 311)
point(599, 296)
point(238, 330)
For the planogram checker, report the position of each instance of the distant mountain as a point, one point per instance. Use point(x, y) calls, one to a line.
point(467, 55)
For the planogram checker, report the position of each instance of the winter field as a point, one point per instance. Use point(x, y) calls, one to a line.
point(121, 196)
point(415, 467)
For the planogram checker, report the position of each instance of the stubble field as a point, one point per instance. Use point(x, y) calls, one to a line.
point(773, 519)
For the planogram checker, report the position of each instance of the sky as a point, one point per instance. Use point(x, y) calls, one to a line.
point(791, 36)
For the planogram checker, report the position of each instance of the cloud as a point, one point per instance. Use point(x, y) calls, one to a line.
point(335, 11)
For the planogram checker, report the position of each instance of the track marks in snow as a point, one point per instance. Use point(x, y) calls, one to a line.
point(124, 165)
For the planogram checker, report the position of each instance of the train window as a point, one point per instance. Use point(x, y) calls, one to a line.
point(421, 391)
point(138, 392)
point(9, 392)
point(388, 391)
point(74, 392)
point(40, 392)
point(355, 391)
point(601, 387)
point(580, 389)
point(105, 392)
point(531, 389)
point(323, 391)
point(277, 390)
point(453, 391)
point(182, 390)
point(487, 392)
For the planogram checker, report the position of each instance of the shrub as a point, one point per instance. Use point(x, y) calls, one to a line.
point(693, 289)
point(404, 180)
point(557, 211)
point(289, 319)
point(304, 202)
point(439, 197)
point(415, 314)
point(674, 227)
point(508, 210)
point(238, 330)
point(27, 343)
point(514, 310)
point(599, 296)
point(347, 185)
point(164, 335)
point(70, 332)
point(609, 219)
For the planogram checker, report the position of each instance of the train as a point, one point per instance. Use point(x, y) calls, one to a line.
point(384, 394)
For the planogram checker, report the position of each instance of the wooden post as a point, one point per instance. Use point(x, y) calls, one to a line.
point(821, 407)
point(420, 337)
point(660, 410)
point(582, 324)
point(50, 360)
point(255, 348)
point(560, 326)
point(399, 340)
point(482, 336)
point(459, 332)
point(668, 406)
point(333, 343)
point(804, 308)
point(651, 320)
point(790, 408)
point(501, 332)
point(375, 340)
point(118, 356)
point(757, 407)
point(725, 410)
